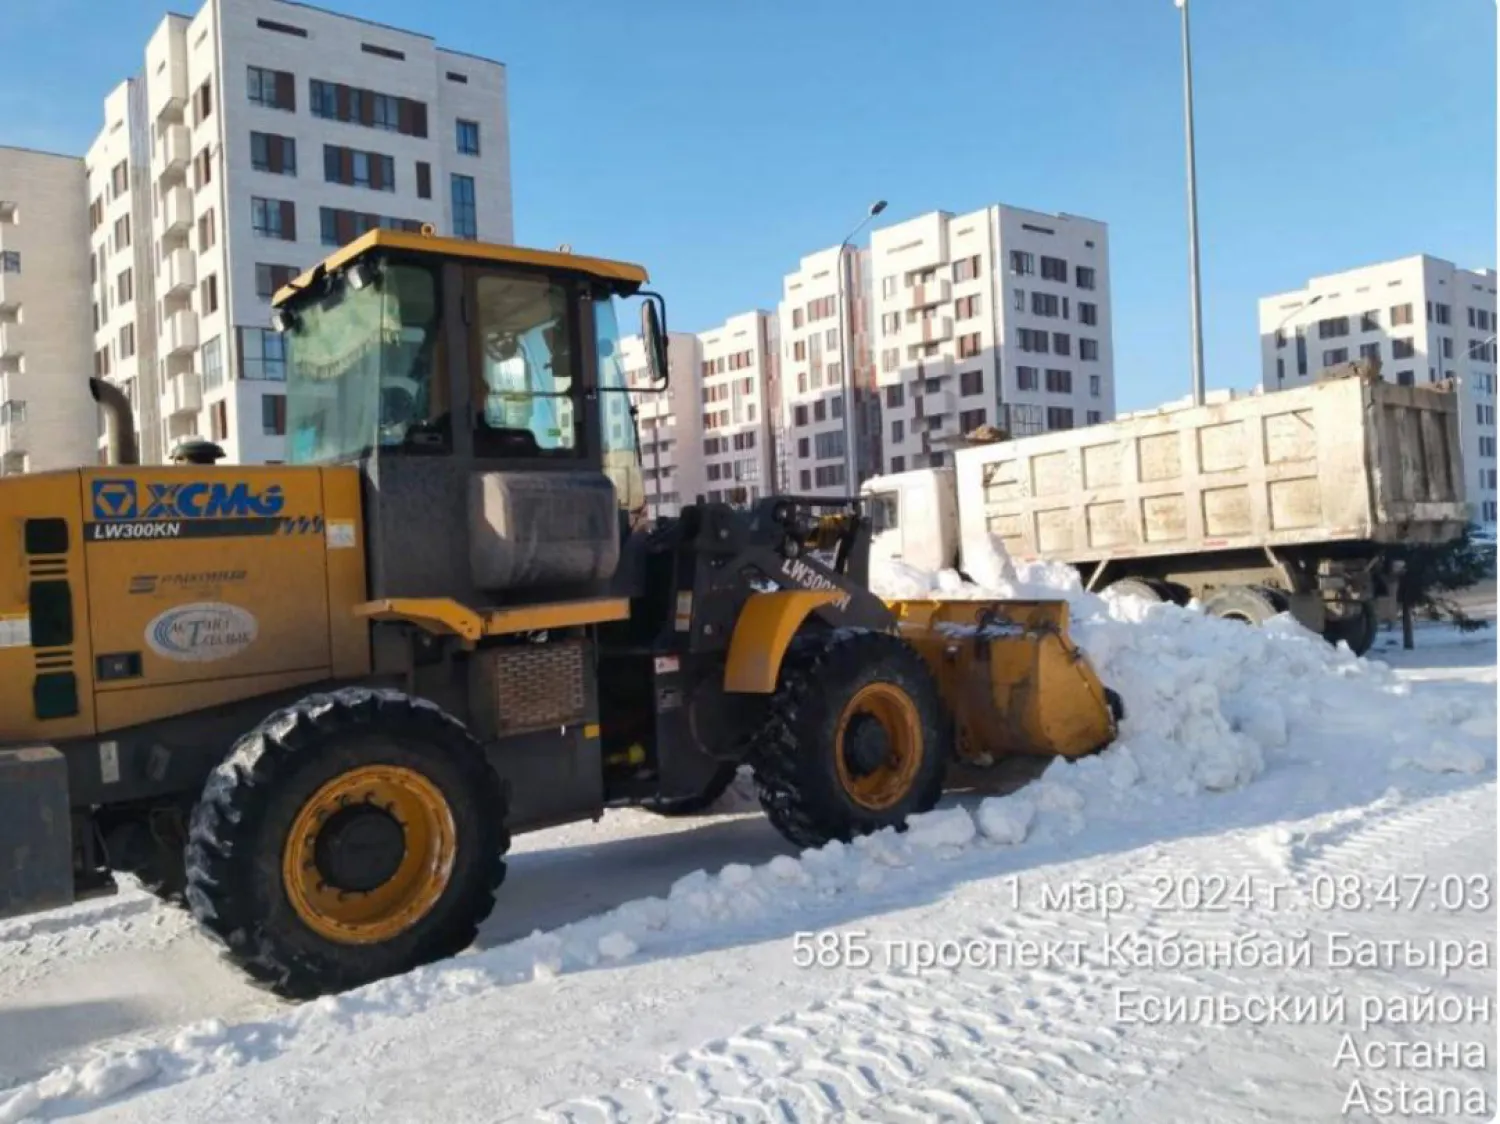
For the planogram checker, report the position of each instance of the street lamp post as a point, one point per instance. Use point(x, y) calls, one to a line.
point(1192, 193)
point(846, 353)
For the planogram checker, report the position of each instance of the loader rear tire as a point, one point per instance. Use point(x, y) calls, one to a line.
point(855, 740)
point(352, 836)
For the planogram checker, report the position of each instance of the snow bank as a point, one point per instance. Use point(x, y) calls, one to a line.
point(1210, 706)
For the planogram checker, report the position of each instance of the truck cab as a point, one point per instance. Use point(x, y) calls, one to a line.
point(914, 519)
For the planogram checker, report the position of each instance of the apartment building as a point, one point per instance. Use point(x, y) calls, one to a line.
point(261, 135)
point(820, 427)
point(737, 362)
point(669, 423)
point(1424, 318)
point(996, 317)
point(48, 420)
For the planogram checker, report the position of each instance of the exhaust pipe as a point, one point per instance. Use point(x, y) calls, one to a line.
point(121, 421)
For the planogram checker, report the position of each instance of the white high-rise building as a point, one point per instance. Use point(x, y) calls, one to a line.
point(669, 425)
point(996, 317)
point(1424, 318)
point(819, 427)
point(738, 361)
point(260, 136)
point(48, 420)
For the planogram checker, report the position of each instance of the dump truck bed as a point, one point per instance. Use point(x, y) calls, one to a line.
point(1348, 459)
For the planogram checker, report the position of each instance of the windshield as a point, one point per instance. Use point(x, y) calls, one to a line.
point(617, 422)
point(360, 367)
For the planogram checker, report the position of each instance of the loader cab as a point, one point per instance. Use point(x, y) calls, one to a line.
point(483, 393)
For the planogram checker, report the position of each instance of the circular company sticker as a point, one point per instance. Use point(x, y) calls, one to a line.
point(201, 632)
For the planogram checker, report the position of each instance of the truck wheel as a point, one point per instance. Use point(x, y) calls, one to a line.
point(1358, 631)
point(855, 741)
point(692, 805)
point(1251, 604)
point(1138, 587)
point(352, 836)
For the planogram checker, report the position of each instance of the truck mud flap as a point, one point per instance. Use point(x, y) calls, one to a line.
point(36, 832)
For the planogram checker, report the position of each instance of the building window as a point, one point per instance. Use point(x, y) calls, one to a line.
point(970, 420)
point(1059, 381)
point(1022, 262)
point(1333, 327)
point(1334, 356)
point(1062, 343)
point(1400, 315)
point(203, 101)
point(1403, 348)
point(1088, 349)
point(898, 431)
point(1447, 346)
point(1405, 378)
point(1045, 304)
point(1026, 378)
point(1370, 321)
point(895, 397)
point(1096, 385)
point(424, 180)
point(968, 345)
point(273, 218)
point(273, 415)
point(367, 107)
point(1085, 276)
point(898, 464)
point(888, 286)
point(124, 288)
point(966, 269)
point(127, 341)
point(122, 232)
point(1054, 269)
point(262, 354)
point(468, 137)
point(1018, 300)
point(356, 168)
point(274, 89)
point(1439, 313)
point(271, 278)
point(1095, 417)
point(211, 364)
point(1059, 417)
point(827, 446)
point(1369, 350)
point(465, 221)
point(206, 233)
point(274, 154)
point(1089, 313)
point(971, 383)
point(208, 295)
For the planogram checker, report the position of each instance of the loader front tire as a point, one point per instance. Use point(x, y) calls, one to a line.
point(855, 741)
point(352, 836)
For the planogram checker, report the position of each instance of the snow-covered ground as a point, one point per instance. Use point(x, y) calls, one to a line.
point(1271, 900)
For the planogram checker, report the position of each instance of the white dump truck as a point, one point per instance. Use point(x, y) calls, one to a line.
point(1259, 505)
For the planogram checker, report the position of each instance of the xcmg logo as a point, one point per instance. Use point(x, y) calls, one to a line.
point(197, 499)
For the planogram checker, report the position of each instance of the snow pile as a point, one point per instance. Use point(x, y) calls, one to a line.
point(1210, 706)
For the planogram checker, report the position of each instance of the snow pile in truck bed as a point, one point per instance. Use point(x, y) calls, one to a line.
point(1211, 706)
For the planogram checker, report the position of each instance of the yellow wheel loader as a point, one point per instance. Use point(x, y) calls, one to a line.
point(313, 701)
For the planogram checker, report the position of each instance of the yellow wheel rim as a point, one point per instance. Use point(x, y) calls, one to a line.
point(369, 854)
point(878, 786)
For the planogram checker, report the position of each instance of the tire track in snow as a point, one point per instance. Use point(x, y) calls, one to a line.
point(935, 1046)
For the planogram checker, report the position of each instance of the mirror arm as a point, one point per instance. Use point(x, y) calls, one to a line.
point(661, 317)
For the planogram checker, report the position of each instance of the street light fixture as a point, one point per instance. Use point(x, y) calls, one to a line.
point(1298, 311)
point(846, 335)
point(1192, 193)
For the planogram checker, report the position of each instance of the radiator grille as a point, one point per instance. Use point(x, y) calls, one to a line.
point(526, 687)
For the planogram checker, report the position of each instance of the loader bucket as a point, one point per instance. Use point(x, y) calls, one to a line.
point(1011, 679)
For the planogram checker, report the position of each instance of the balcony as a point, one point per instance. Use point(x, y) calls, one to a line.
point(934, 292)
point(933, 330)
point(176, 211)
point(10, 291)
point(10, 340)
point(173, 150)
point(184, 395)
point(937, 367)
point(179, 273)
point(180, 333)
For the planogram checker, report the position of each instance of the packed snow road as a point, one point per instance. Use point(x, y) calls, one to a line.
point(1270, 900)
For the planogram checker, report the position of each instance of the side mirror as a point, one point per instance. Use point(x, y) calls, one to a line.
point(654, 337)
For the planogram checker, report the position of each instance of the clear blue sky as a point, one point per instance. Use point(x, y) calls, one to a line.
point(717, 142)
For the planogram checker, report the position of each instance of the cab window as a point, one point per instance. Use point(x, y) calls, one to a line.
point(527, 389)
point(883, 512)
